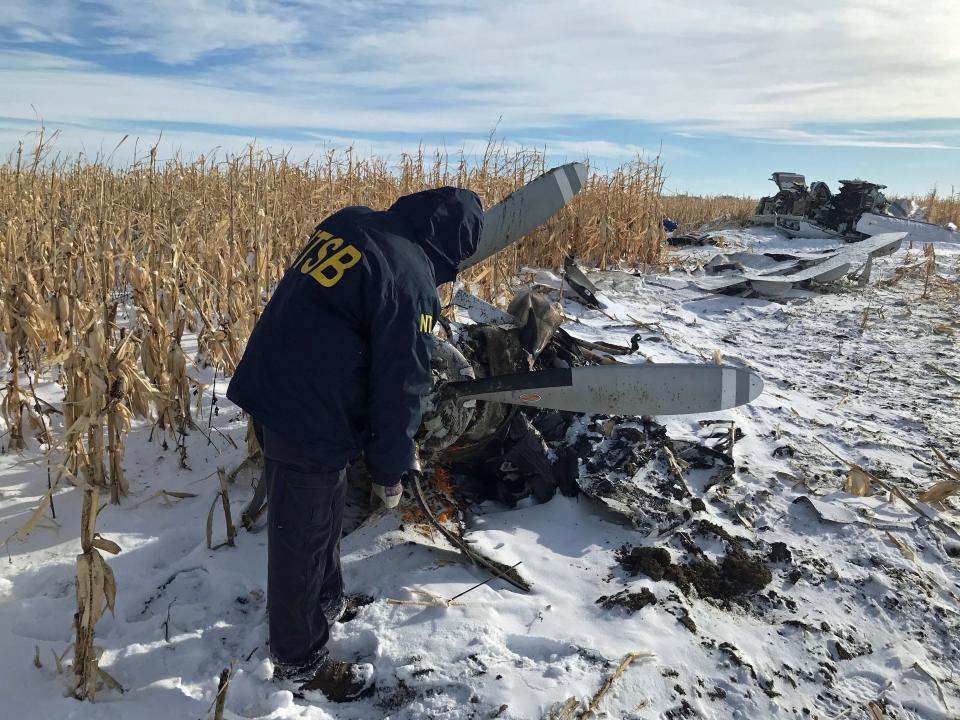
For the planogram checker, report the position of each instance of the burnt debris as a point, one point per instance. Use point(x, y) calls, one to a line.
point(796, 202)
point(507, 453)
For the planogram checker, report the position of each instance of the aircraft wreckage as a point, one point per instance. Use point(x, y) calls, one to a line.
point(775, 274)
point(858, 210)
point(521, 409)
point(868, 224)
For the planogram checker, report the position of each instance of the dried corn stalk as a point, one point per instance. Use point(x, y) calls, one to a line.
point(929, 266)
point(179, 385)
point(97, 388)
point(28, 332)
point(96, 591)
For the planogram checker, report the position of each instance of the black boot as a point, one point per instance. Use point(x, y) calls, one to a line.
point(346, 608)
point(342, 681)
point(334, 611)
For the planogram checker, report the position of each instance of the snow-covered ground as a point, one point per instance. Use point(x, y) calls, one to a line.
point(860, 609)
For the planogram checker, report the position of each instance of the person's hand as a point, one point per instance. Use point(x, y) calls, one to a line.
point(389, 495)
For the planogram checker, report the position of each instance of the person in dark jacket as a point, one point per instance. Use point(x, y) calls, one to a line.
point(335, 369)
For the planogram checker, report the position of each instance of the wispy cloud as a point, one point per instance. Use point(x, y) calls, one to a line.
point(746, 68)
point(852, 137)
point(182, 31)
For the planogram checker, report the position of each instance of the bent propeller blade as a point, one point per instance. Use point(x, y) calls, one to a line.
point(650, 389)
point(526, 209)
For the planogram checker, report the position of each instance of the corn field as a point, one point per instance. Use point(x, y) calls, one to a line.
point(105, 271)
point(691, 211)
point(940, 209)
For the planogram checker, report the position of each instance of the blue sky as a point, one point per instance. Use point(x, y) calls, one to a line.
point(725, 92)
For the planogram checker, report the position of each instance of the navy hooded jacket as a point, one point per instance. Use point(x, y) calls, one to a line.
point(340, 358)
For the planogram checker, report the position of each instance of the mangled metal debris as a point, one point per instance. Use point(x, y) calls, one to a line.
point(510, 449)
point(634, 469)
point(843, 508)
point(858, 210)
point(511, 443)
point(776, 274)
point(691, 239)
point(577, 279)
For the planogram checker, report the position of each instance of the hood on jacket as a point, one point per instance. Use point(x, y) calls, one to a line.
point(446, 223)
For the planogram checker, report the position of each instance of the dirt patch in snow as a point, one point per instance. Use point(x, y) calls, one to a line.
point(629, 601)
point(738, 574)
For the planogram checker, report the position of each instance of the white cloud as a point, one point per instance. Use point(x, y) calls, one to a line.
point(851, 139)
point(27, 61)
point(25, 22)
point(28, 34)
point(181, 31)
point(906, 139)
point(748, 67)
point(172, 31)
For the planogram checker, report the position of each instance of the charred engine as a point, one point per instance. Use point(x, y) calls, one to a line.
point(837, 212)
point(496, 451)
point(508, 453)
point(793, 197)
point(855, 198)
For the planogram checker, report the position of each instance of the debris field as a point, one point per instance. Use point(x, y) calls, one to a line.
point(775, 560)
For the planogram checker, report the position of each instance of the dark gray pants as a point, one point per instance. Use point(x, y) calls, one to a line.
point(305, 515)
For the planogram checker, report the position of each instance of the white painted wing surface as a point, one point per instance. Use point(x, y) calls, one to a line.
point(850, 256)
point(918, 231)
point(827, 271)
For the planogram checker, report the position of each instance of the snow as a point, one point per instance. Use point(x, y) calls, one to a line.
point(851, 619)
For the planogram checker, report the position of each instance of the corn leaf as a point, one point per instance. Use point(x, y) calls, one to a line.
point(110, 681)
point(97, 598)
point(178, 494)
point(940, 491)
point(106, 545)
point(901, 546)
point(35, 516)
point(109, 587)
point(858, 481)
